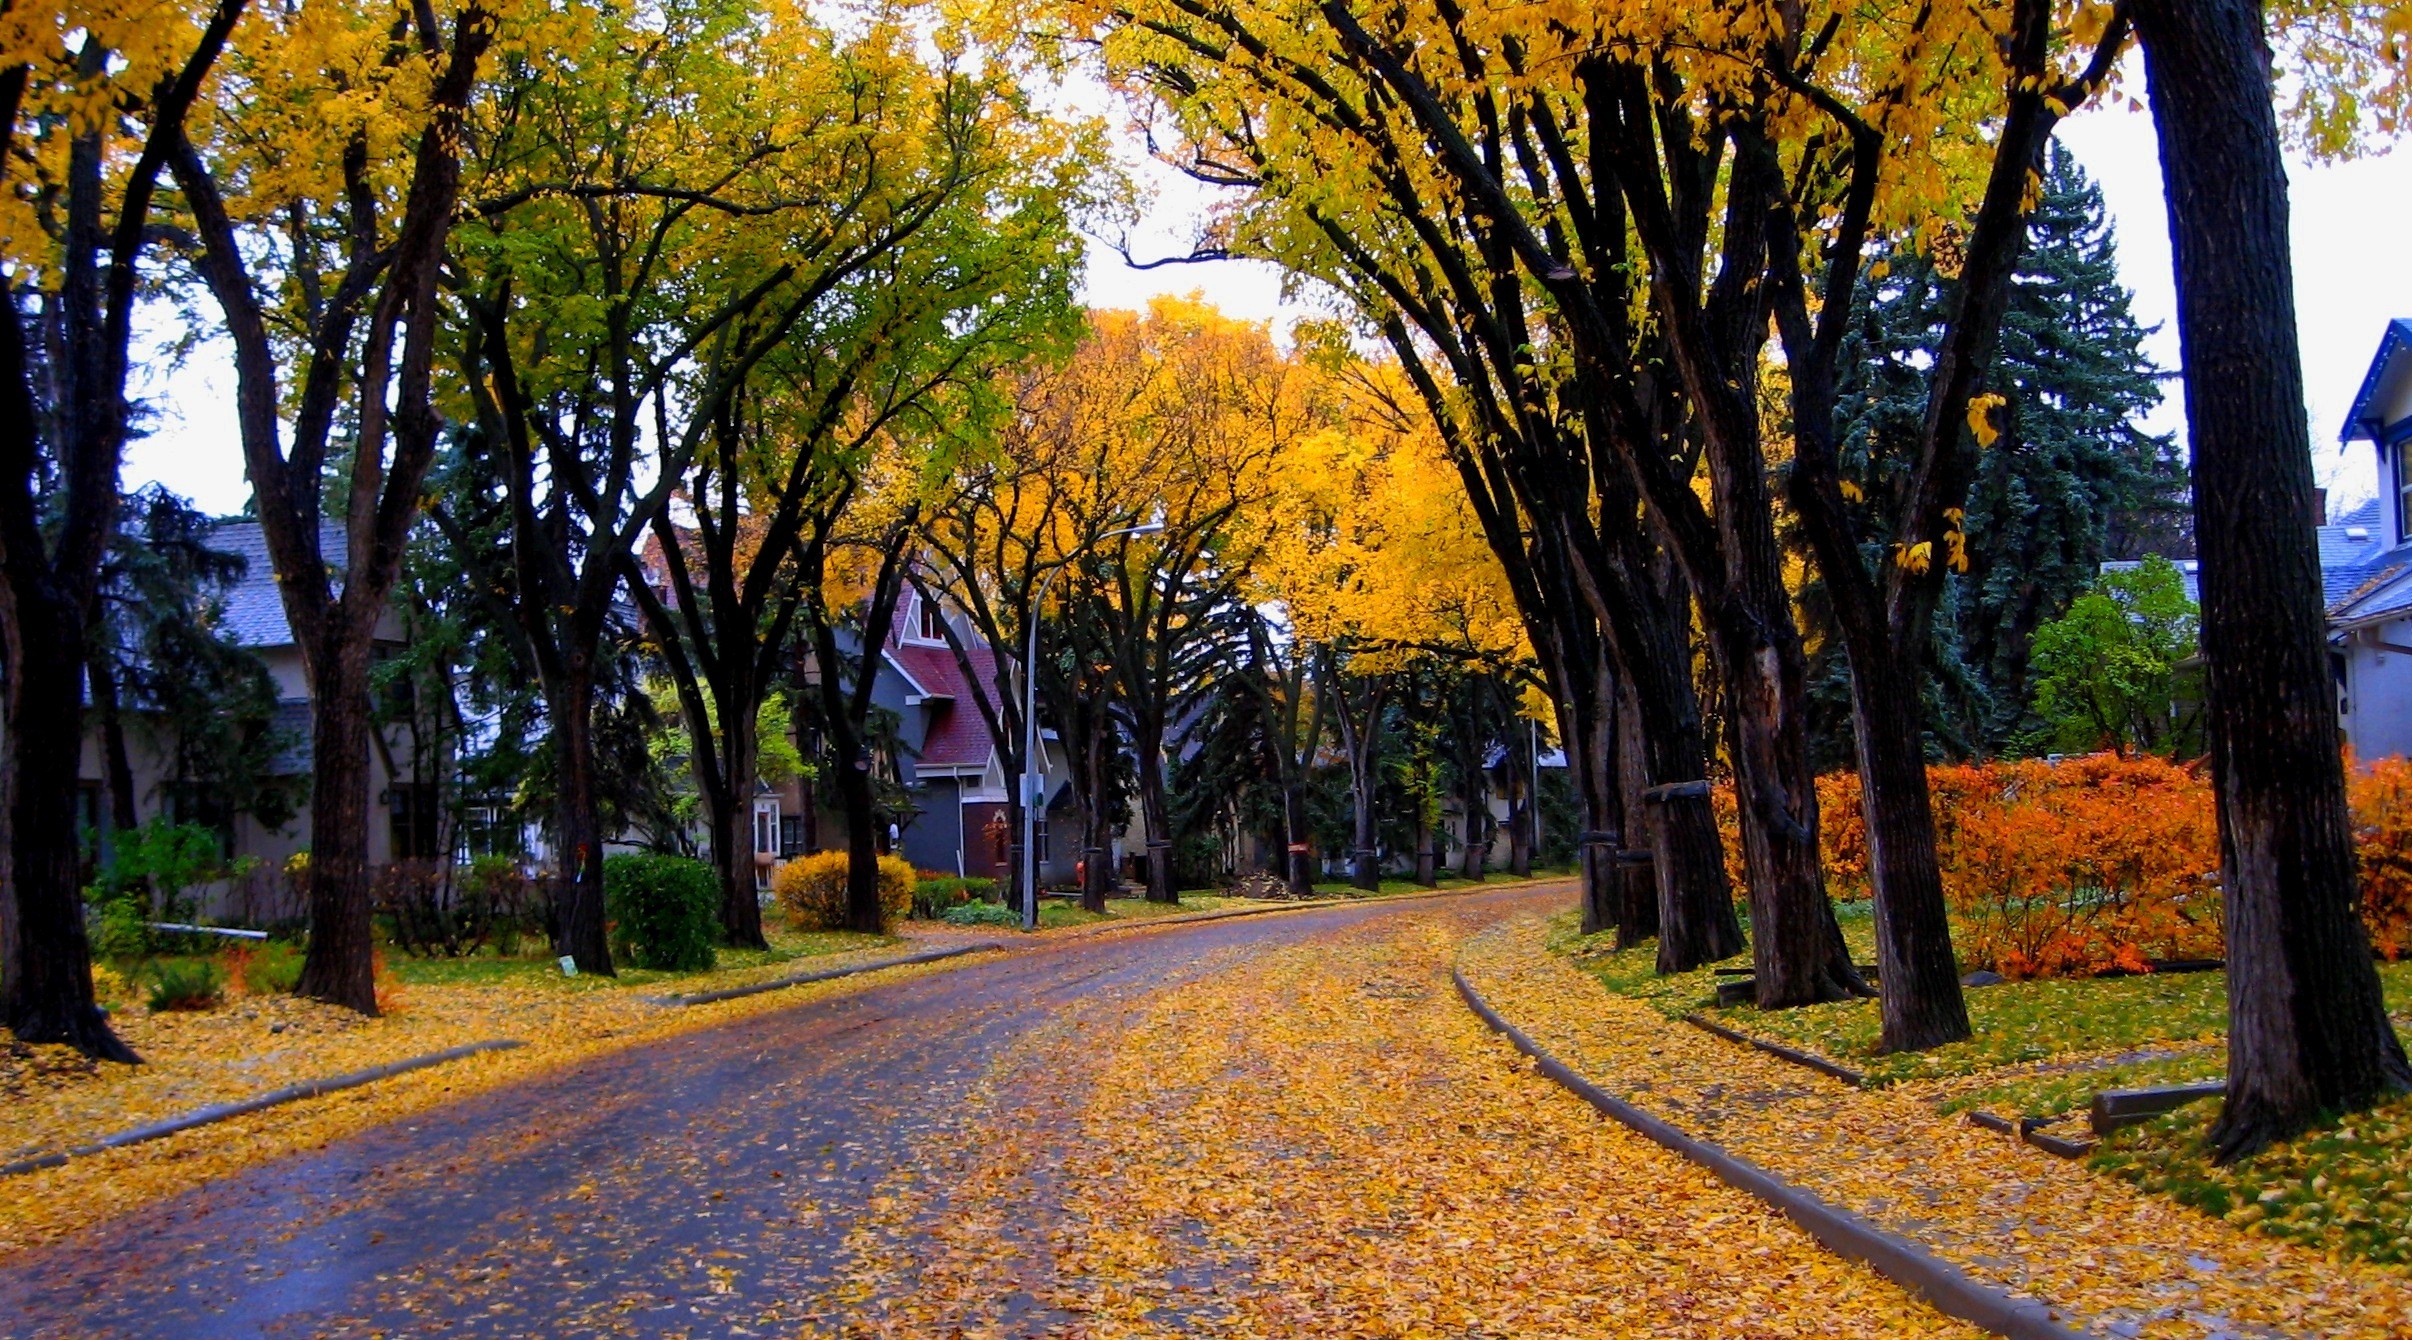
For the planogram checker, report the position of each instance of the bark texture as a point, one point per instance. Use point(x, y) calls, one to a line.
point(2308, 1032)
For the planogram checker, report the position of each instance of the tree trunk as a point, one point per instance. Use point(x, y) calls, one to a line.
point(1427, 864)
point(1097, 876)
point(582, 935)
point(1918, 975)
point(1638, 916)
point(2307, 1028)
point(1586, 731)
point(1300, 859)
point(733, 832)
point(1797, 950)
point(1155, 813)
point(863, 909)
point(118, 815)
point(43, 950)
point(1524, 801)
point(340, 964)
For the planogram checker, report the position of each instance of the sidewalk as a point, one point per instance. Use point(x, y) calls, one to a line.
point(2117, 1261)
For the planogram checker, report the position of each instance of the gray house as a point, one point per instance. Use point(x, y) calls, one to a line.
point(2366, 564)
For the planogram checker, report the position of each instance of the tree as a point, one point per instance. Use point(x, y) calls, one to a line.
point(163, 664)
point(643, 250)
point(93, 102)
point(325, 269)
point(2308, 1032)
point(896, 370)
point(2070, 480)
point(2106, 672)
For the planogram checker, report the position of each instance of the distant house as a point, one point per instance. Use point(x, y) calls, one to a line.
point(403, 823)
point(939, 749)
point(2366, 563)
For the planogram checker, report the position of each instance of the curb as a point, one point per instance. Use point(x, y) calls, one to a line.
point(273, 1098)
point(1777, 1049)
point(1942, 1285)
point(825, 975)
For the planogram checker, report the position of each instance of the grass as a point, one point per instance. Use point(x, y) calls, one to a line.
point(2343, 1187)
point(2015, 1023)
point(2045, 1048)
point(486, 967)
point(1057, 915)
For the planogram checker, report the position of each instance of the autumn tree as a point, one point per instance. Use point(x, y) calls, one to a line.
point(322, 243)
point(895, 368)
point(1344, 189)
point(662, 206)
point(2308, 1032)
point(94, 103)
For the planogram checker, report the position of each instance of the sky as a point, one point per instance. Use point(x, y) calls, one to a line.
point(2353, 274)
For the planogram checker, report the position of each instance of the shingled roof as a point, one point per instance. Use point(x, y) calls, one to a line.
point(255, 609)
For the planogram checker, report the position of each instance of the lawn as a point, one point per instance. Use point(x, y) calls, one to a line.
point(2044, 1048)
point(1055, 914)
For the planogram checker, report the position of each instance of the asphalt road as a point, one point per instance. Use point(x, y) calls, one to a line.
point(705, 1186)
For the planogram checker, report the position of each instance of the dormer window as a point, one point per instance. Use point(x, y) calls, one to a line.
point(926, 615)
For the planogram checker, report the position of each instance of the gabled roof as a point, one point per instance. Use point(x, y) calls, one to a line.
point(2390, 371)
point(958, 736)
point(255, 609)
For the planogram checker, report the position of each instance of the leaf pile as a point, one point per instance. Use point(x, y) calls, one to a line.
point(1322, 1141)
point(2122, 1261)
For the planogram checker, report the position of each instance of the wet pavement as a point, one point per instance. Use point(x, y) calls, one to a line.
point(704, 1186)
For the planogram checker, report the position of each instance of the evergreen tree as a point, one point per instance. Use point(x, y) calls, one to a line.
point(2071, 479)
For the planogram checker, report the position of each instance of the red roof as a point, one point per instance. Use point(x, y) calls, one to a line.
point(958, 737)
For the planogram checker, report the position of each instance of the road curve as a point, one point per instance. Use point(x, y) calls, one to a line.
point(706, 1185)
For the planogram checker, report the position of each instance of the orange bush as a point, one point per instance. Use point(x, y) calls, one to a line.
point(2381, 798)
point(2079, 867)
point(2096, 863)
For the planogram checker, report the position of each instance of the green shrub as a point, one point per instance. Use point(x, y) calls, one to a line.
point(936, 893)
point(270, 969)
point(983, 914)
point(186, 984)
point(123, 932)
point(813, 890)
point(663, 910)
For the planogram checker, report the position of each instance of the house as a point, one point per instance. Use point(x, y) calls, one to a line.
point(403, 809)
point(2366, 564)
point(932, 740)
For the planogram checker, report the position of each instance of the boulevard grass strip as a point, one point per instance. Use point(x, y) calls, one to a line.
point(2093, 1023)
point(2122, 1261)
point(1320, 1140)
point(258, 1044)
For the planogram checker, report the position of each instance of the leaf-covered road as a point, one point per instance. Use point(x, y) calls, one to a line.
point(1268, 1126)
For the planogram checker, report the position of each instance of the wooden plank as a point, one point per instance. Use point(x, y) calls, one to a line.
point(2114, 1108)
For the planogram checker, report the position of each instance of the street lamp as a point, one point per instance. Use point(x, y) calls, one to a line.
point(1034, 783)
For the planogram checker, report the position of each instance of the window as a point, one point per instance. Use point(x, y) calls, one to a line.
point(766, 829)
point(1038, 839)
point(2402, 457)
point(926, 613)
point(415, 814)
point(791, 836)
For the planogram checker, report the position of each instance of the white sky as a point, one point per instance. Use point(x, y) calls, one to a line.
point(2352, 275)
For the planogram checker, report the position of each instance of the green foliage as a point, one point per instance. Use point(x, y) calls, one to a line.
point(2106, 673)
point(272, 969)
point(933, 895)
point(122, 932)
point(186, 984)
point(983, 914)
point(663, 910)
point(2071, 480)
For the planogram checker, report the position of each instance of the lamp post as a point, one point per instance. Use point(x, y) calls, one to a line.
point(1034, 782)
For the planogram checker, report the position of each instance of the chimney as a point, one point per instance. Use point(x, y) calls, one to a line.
point(2319, 507)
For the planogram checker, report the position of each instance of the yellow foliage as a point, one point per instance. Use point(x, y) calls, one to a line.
point(813, 889)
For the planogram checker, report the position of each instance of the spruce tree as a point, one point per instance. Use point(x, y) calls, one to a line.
point(2071, 480)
